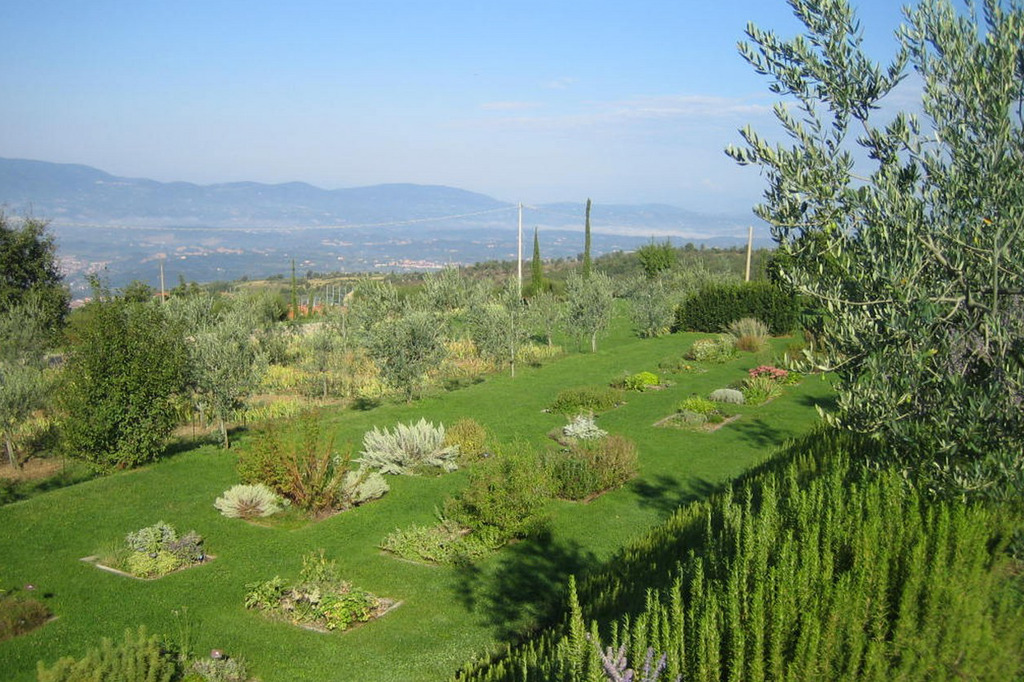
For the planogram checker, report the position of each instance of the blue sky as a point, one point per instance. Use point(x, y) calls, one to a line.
point(533, 101)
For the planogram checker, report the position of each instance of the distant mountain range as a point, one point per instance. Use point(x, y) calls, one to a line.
point(120, 224)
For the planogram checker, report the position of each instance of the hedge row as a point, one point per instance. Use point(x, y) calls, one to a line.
point(716, 305)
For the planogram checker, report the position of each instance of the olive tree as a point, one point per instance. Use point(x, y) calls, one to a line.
point(405, 348)
point(499, 327)
point(907, 230)
point(588, 306)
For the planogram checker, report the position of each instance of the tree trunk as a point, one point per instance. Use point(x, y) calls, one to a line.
point(593, 342)
point(224, 433)
point(10, 451)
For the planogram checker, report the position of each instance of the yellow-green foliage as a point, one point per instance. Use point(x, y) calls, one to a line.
point(470, 438)
point(137, 658)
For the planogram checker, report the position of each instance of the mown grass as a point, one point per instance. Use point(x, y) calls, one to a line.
point(447, 614)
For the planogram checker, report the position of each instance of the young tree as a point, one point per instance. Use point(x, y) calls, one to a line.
point(499, 328)
point(912, 247)
point(652, 306)
point(29, 271)
point(125, 365)
point(656, 258)
point(405, 348)
point(588, 304)
point(544, 315)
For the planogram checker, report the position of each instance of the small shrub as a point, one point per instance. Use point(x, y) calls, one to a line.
point(248, 501)
point(363, 485)
point(447, 543)
point(590, 467)
point(138, 656)
point(220, 670)
point(310, 474)
point(504, 498)
point(698, 405)
point(586, 399)
point(640, 381)
point(727, 395)
point(582, 427)
point(320, 598)
point(718, 349)
point(469, 437)
point(157, 550)
point(760, 389)
point(409, 449)
point(750, 334)
point(19, 614)
point(691, 419)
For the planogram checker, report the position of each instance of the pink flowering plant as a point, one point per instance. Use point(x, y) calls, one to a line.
point(776, 373)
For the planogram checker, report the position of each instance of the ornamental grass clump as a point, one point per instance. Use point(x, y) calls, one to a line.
point(759, 389)
point(248, 501)
point(408, 449)
point(750, 334)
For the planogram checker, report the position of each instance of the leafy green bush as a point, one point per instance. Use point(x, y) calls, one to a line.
point(320, 598)
point(591, 467)
point(727, 395)
point(718, 349)
point(469, 437)
point(698, 405)
point(586, 399)
point(409, 449)
point(20, 613)
point(138, 656)
point(504, 498)
point(715, 306)
point(248, 501)
point(640, 381)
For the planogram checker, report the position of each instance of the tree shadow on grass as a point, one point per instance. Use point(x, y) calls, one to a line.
point(665, 493)
point(759, 432)
point(524, 589)
point(829, 403)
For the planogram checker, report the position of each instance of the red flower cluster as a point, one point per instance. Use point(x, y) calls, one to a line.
point(769, 371)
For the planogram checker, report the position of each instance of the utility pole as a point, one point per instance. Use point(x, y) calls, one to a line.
point(750, 246)
point(520, 249)
point(162, 294)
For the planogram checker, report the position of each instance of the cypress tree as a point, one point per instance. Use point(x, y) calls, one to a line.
point(295, 294)
point(586, 244)
point(536, 267)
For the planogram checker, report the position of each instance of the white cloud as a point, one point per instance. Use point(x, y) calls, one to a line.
point(562, 83)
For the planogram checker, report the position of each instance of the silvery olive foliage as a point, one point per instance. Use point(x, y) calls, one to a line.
point(906, 228)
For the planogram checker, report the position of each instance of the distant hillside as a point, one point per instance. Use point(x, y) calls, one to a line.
point(80, 195)
point(124, 228)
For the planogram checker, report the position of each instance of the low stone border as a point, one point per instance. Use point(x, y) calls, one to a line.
point(95, 561)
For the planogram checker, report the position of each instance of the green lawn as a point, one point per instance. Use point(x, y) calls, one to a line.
point(447, 615)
